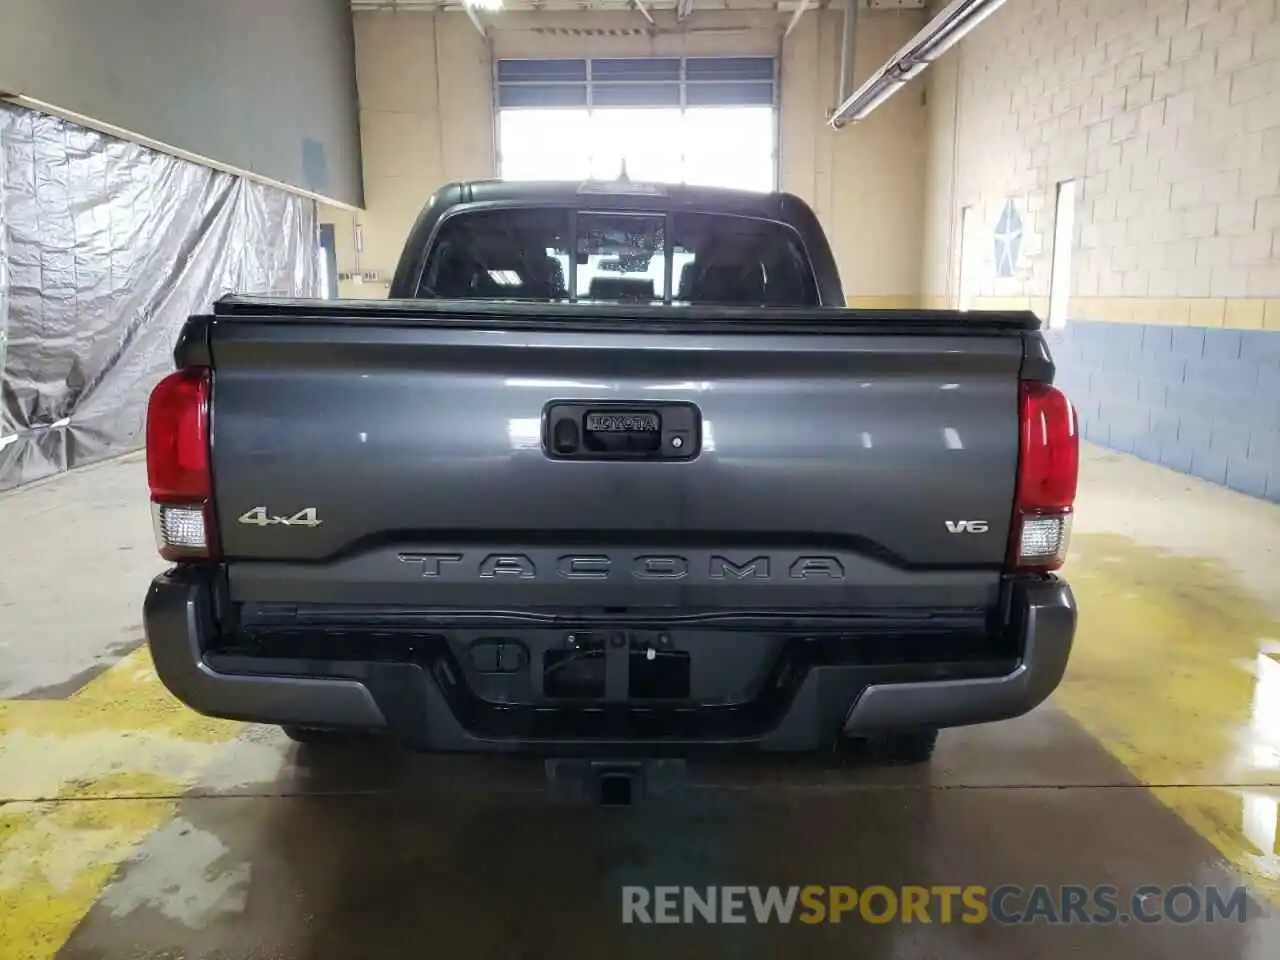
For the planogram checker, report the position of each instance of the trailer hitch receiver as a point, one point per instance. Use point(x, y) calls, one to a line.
point(613, 783)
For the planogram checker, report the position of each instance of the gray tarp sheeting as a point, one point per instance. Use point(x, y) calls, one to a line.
point(105, 248)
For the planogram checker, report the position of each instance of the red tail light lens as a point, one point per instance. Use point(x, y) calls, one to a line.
point(178, 471)
point(1048, 471)
point(178, 437)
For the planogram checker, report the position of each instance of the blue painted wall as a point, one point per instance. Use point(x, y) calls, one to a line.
point(1200, 400)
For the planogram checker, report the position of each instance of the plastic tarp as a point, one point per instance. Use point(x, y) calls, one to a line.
point(106, 247)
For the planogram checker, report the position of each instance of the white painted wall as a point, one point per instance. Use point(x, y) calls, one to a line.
point(261, 87)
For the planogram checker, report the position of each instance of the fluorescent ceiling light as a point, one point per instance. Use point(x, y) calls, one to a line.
point(940, 34)
point(483, 4)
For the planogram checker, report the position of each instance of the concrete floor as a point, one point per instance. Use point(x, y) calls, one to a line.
point(130, 827)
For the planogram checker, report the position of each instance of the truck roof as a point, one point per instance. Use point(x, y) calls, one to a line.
point(628, 194)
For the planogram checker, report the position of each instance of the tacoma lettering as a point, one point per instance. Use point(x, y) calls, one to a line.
point(722, 567)
point(811, 568)
point(583, 568)
point(599, 566)
point(659, 568)
point(430, 562)
point(508, 565)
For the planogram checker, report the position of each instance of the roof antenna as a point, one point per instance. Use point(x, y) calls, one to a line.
point(622, 176)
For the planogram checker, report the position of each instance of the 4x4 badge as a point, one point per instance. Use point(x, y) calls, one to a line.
point(258, 517)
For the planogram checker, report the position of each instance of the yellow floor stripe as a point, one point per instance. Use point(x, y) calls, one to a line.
point(122, 737)
point(1171, 673)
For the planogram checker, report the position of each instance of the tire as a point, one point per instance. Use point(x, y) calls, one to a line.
point(900, 748)
point(905, 748)
point(313, 735)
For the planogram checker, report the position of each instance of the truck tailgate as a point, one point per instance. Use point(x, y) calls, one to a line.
point(402, 464)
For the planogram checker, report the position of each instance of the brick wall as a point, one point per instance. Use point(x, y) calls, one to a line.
point(1166, 114)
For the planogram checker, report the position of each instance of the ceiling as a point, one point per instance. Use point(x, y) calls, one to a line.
point(684, 8)
point(578, 5)
point(658, 13)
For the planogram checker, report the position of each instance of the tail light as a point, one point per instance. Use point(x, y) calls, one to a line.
point(1048, 469)
point(178, 470)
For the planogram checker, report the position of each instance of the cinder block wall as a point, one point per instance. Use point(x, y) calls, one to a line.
point(1166, 114)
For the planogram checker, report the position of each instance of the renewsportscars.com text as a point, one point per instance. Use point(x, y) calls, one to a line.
point(1006, 904)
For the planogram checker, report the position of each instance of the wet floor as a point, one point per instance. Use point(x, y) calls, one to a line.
point(132, 828)
point(421, 869)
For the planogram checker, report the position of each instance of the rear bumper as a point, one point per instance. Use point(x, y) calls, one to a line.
point(407, 701)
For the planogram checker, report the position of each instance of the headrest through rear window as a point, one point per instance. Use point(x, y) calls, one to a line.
point(621, 288)
point(730, 283)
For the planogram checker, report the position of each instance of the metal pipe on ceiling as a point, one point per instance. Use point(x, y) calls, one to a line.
point(475, 20)
point(939, 35)
point(799, 12)
point(848, 42)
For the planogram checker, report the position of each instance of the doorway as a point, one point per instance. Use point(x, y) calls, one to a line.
point(1064, 228)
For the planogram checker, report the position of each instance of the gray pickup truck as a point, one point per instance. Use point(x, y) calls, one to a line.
point(613, 472)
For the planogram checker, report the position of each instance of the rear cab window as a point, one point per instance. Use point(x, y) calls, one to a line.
point(551, 254)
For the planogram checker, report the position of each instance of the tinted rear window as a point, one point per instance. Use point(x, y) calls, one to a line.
point(546, 254)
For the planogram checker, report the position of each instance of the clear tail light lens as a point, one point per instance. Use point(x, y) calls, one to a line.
point(179, 527)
